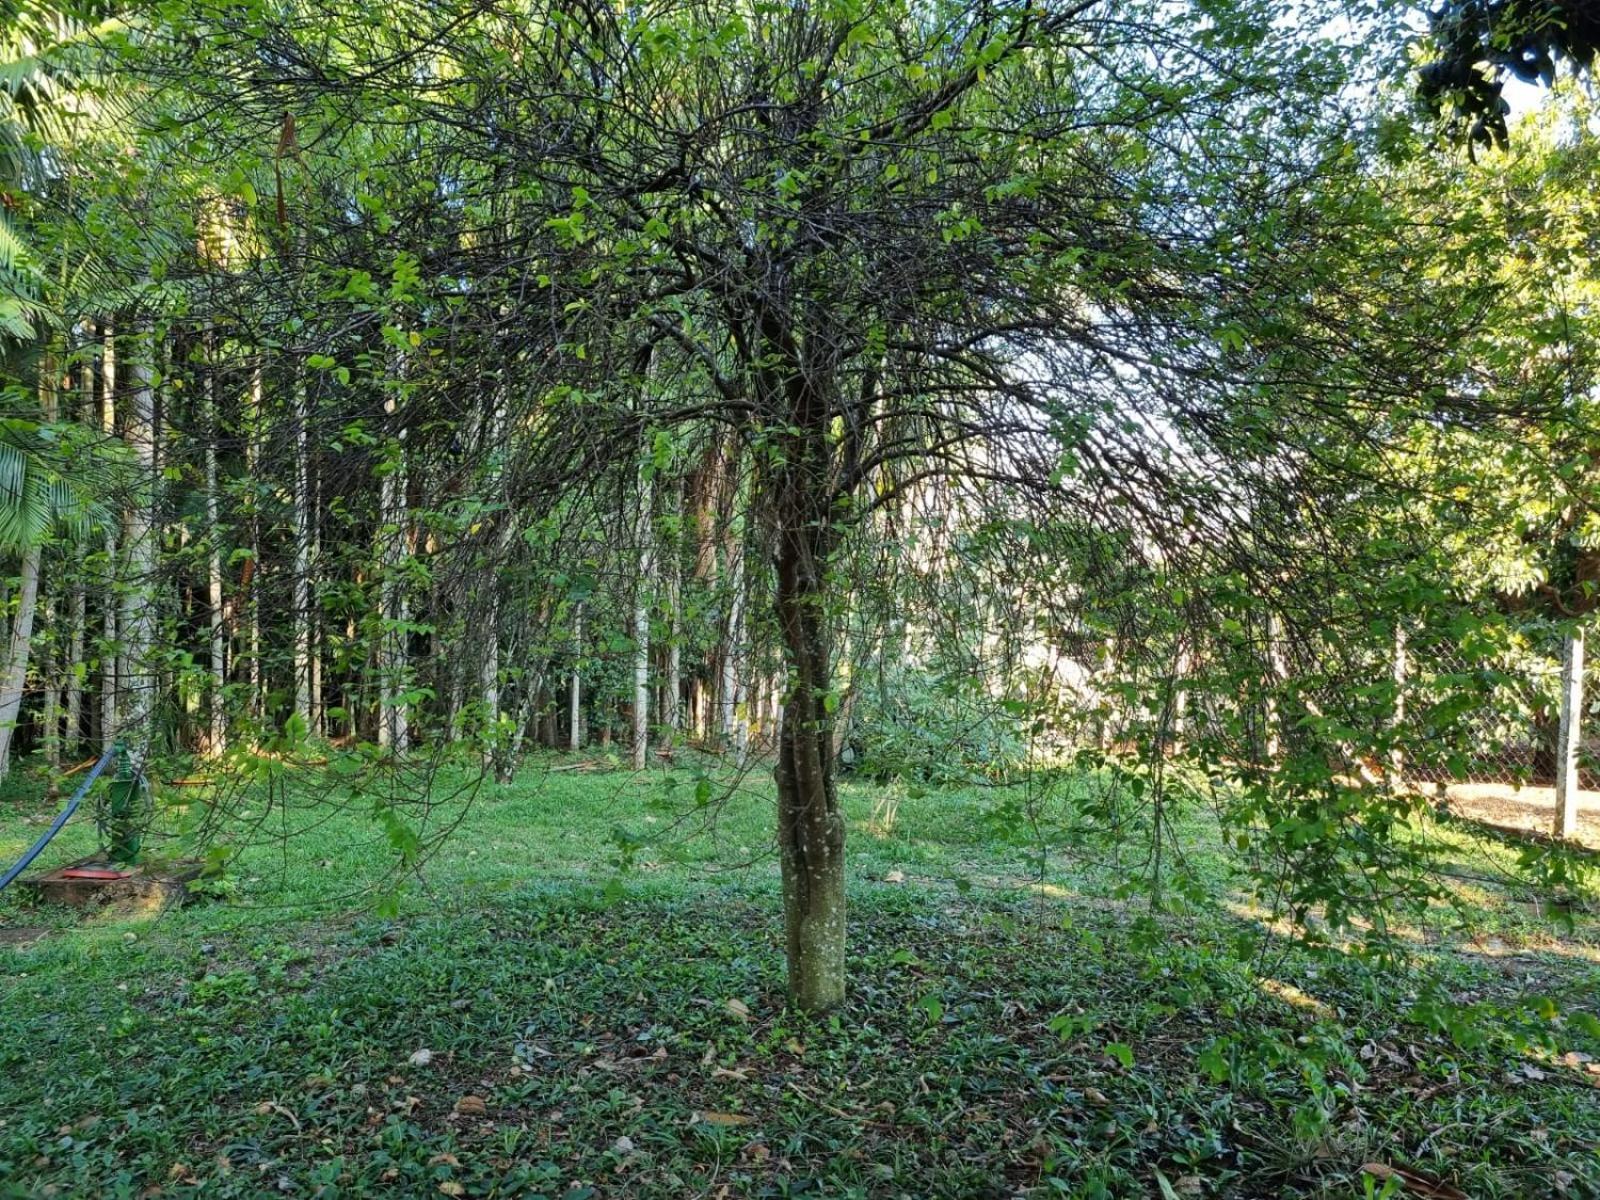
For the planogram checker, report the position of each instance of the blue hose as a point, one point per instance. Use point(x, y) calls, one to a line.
point(55, 826)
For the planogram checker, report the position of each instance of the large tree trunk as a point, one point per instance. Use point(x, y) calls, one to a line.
point(810, 824)
point(16, 671)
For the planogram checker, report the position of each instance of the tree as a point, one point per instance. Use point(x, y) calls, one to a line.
point(43, 487)
point(893, 248)
point(1109, 305)
point(1477, 43)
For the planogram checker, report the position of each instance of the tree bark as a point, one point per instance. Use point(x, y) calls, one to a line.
point(109, 681)
point(77, 613)
point(252, 456)
point(393, 726)
point(16, 672)
point(811, 831)
point(735, 726)
point(672, 690)
point(643, 586)
point(50, 735)
point(301, 603)
point(575, 688)
point(139, 544)
point(217, 740)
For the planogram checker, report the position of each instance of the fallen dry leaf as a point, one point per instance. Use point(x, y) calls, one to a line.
point(722, 1118)
point(420, 1058)
point(739, 1009)
point(1414, 1181)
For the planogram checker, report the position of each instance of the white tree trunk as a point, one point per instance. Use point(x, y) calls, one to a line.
point(494, 445)
point(393, 726)
point(51, 734)
point(643, 588)
point(139, 544)
point(217, 741)
point(16, 669)
point(575, 688)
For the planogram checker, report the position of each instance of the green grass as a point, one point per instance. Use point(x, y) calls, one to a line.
point(1014, 1028)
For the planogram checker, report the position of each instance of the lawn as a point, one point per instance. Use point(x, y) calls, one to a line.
point(580, 994)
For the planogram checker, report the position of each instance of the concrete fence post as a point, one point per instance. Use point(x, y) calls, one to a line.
point(1569, 736)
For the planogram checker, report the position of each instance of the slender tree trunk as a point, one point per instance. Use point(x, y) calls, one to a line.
point(110, 683)
point(139, 542)
point(315, 618)
point(217, 740)
point(16, 670)
point(735, 729)
point(51, 673)
point(252, 455)
point(643, 586)
point(77, 612)
point(393, 725)
point(301, 589)
point(672, 691)
point(575, 687)
point(495, 430)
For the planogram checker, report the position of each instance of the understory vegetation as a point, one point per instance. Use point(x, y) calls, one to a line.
point(535, 1018)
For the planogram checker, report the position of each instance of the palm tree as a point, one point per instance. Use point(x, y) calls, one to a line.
point(43, 488)
point(46, 103)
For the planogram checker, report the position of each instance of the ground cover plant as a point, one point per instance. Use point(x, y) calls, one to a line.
point(1019, 1027)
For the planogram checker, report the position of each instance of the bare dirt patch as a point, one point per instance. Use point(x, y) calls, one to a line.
point(1530, 809)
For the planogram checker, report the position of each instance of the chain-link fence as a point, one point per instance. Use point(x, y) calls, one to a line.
point(1501, 714)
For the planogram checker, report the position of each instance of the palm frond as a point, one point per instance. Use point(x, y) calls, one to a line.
point(13, 250)
point(43, 485)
